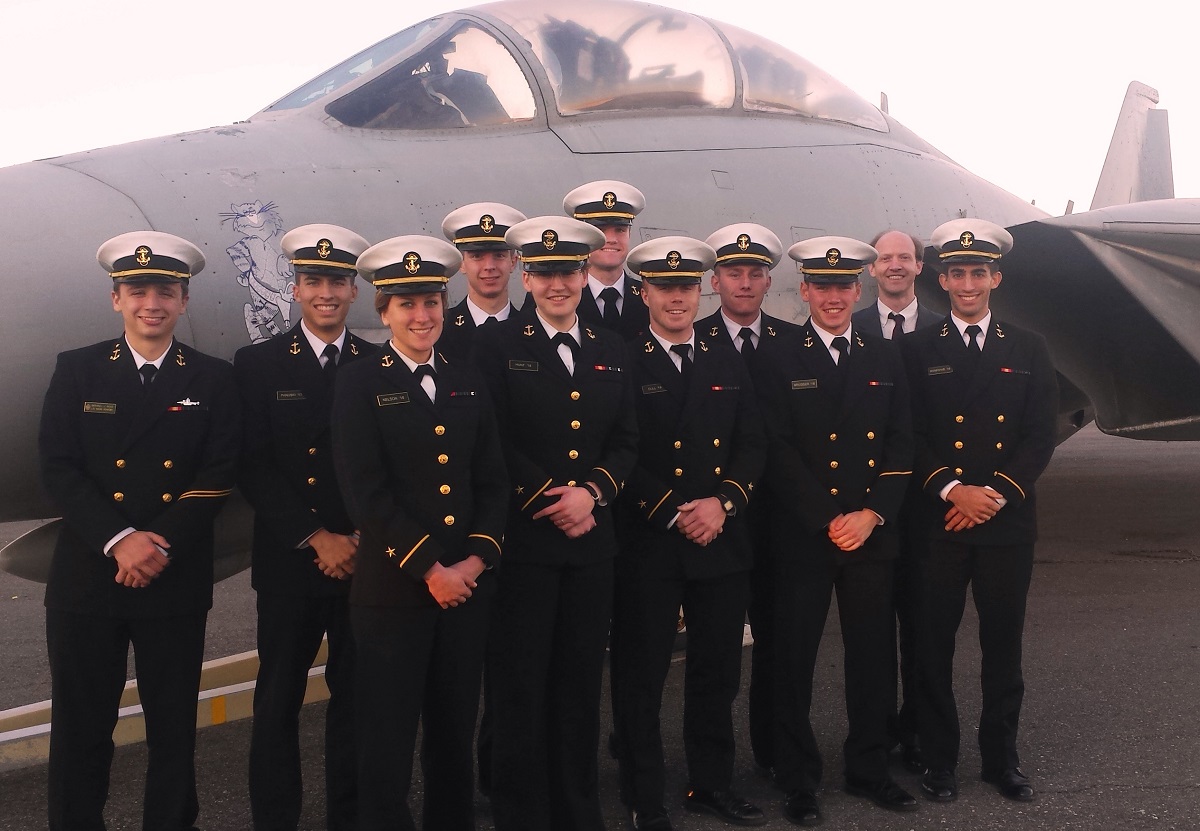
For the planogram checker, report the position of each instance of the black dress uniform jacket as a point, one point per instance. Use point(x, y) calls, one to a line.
point(288, 472)
point(442, 503)
point(116, 455)
point(842, 436)
point(696, 441)
point(458, 335)
point(771, 333)
point(993, 425)
point(559, 429)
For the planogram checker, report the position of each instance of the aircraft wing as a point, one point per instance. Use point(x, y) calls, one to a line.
point(1116, 293)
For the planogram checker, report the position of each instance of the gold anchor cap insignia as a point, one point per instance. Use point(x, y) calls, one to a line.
point(142, 255)
point(549, 239)
point(771, 331)
point(460, 321)
point(324, 246)
point(487, 223)
point(294, 348)
point(590, 334)
point(649, 347)
point(966, 239)
point(673, 259)
point(528, 330)
point(179, 358)
point(743, 241)
point(412, 262)
point(703, 346)
point(353, 348)
point(610, 200)
point(387, 361)
point(832, 256)
point(714, 331)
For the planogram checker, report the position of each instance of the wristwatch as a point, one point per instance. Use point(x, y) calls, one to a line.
point(728, 507)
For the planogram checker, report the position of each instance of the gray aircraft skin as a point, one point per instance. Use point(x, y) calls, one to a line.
point(519, 102)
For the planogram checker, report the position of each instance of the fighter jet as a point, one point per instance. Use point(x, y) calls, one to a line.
point(519, 101)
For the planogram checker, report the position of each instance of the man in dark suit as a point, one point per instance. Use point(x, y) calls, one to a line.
point(701, 450)
point(746, 253)
point(304, 541)
point(896, 308)
point(985, 401)
point(418, 457)
point(610, 298)
point(477, 230)
point(138, 446)
point(895, 272)
point(837, 402)
point(565, 405)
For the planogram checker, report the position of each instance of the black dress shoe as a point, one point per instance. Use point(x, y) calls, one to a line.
point(1012, 784)
point(939, 785)
point(726, 805)
point(651, 820)
point(801, 808)
point(886, 794)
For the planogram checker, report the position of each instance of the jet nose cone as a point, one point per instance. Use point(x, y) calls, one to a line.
point(53, 296)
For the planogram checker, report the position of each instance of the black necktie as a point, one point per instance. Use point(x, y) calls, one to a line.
point(747, 336)
point(684, 351)
point(330, 354)
point(972, 339)
point(843, 349)
point(426, 371)
point(148, 371)
point(491, 319)
point(612, 316)
point(898, 329)
point(565, 339)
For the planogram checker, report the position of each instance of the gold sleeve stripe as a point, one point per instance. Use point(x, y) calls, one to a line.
point(490, 539)
point(739, 487)
point(616, 487)
point(896, 473)
point(1014, 484)
point(935, 473)
point(659, 505)
point(413, 551)
point(205, 494)
point(536, 495)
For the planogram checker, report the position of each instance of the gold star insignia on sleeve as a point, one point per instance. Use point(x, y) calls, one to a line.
point(520, 490)
point(391, 552)
point(750, 486)
point(641, 503)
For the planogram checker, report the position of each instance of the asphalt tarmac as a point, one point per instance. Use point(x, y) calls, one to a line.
point(1111, 725)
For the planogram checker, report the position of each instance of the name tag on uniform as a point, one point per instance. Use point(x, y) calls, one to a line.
point(650, 389)
point(391, 398)
point(99, 407)
point(940, 370)
point(805, 384)
point(289, 395)
point(523, 366)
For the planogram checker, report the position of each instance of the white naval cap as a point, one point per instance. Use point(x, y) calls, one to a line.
point(671, 260)
point(322, 249)
point(554, 243)
point(746, 243)
point(150, 257)
point(970, 241)
point(411, 264)
point(480, 226)
point(832, 259)
point(605, 202)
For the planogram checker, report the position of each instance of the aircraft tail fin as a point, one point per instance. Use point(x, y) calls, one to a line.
point(1138, 165)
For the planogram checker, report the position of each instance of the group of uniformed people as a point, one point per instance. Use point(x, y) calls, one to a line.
point(500, 495)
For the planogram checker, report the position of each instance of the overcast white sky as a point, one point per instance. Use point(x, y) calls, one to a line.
point(1024, 93)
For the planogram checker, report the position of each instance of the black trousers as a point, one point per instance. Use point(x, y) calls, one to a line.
point(906, 598)
point(999, 579)
point(290, 629)
point(418, 665)
point(760, 700)
point(88, 656)
point(804, 590)
point(547, 663)
point(715, 611)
